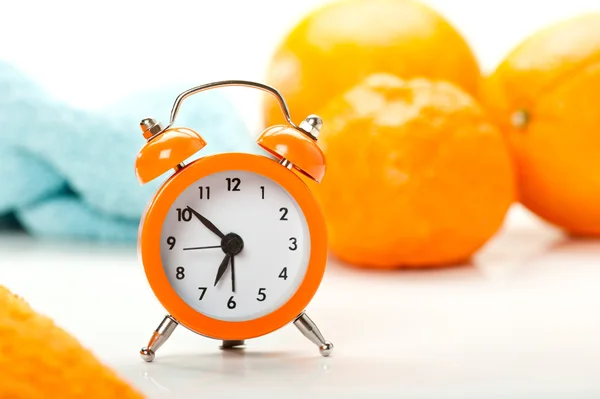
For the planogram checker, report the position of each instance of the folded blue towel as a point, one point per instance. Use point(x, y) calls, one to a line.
point(70, 173)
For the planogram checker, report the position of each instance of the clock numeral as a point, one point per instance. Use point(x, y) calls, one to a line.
point(185, 215)
point(233, 184)
point(262, 189)
point(261, 295)
point(203, 289)
point(171, 241)
point(180, 273)
point(294, 245)
point(283, 274)
point(231, 303)
point(284, 212)
point(204, 192)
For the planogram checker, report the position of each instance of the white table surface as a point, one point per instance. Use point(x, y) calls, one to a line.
point(522, 321)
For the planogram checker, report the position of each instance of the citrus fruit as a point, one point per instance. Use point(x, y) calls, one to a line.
point(338, 45)
point(417, 176)
point(546, 97)
point(40, 360)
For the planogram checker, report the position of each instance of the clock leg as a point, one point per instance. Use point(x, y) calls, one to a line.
point(160, 336)
point(310, 330)
point(233, 344)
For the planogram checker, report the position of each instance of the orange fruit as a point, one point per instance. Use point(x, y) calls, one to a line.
point(338, 45)
point(40, 360)
point(546, 97)
point(417, 175)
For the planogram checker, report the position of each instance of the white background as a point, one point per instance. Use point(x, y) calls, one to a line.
point(520, 321)
point(90, 53)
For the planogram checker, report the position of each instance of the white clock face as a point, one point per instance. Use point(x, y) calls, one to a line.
point(242, 230)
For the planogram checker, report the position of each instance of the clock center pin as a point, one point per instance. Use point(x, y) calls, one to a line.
point(232, 244)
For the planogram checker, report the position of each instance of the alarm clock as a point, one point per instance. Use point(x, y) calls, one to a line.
point(233, 245)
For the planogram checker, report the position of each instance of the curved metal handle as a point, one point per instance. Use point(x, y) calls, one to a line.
point(225, 83)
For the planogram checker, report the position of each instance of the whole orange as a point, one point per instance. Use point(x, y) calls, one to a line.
point(546, 97)
point(337, 46)
point(417, 175)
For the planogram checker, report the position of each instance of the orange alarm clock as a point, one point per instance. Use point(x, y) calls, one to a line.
point(234, 245)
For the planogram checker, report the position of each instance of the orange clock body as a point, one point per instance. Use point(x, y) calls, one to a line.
point(152, 224)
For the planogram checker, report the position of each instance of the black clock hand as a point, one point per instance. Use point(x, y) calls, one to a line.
point(209, 247)
point(207, 223)
point(232, 275)
point(222, 268)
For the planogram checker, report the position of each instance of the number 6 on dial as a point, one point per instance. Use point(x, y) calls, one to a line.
point(234, 245)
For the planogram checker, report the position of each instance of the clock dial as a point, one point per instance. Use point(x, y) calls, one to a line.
point(235, 246)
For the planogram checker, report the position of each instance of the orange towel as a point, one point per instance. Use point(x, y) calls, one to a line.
point(40, 360)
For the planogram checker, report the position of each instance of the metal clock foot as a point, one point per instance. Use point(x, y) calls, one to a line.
point(233, 344)
point(160, 336)
point(310, 330)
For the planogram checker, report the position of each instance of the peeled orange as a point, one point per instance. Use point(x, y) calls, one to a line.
point(417, 176)
point(546, 97)
point(338, 45)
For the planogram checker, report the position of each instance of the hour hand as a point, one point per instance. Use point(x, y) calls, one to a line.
point(222, 268)
point(206, 222)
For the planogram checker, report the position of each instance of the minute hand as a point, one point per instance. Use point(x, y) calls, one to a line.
point(207, 223)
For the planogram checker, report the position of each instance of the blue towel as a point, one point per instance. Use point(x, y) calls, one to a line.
point(66, 172)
